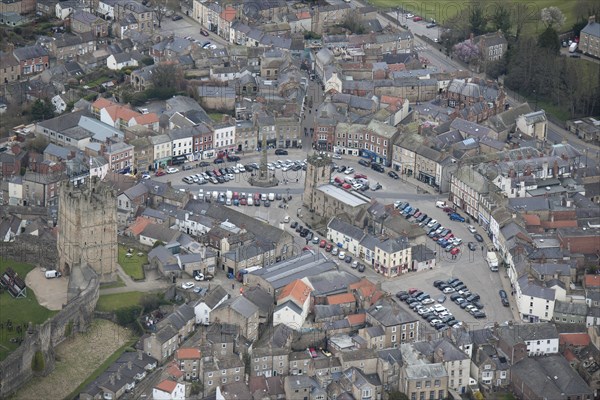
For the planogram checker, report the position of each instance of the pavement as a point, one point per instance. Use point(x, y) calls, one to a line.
point(50, 293)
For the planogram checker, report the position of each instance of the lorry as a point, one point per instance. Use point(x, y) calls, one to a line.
point(492, 261)
point(573, 47)
point(53, 274)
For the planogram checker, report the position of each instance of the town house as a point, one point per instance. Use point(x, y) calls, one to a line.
point(399, 325)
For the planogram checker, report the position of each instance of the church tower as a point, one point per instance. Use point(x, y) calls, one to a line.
point(318, 172)
point(87, 228)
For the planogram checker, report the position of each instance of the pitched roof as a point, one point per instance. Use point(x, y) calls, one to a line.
point(356, 319)
point(580, 339)
point(139, 225)
point(166, 386)
point(187, 353)
point(298, 291)
point(241, 305)
point(591, 281)
point(341, 298)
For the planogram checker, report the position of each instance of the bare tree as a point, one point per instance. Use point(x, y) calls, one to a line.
point(552, 17)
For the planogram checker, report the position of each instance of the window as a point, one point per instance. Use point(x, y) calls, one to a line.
point(437, 382)
point(394, 330)
point(418, 385)
point(427, 384)
point(210, 374)
point(209, 383)
point(224, 380)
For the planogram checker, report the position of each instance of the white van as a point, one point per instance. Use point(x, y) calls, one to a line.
point(215, 195)
point(271, 196)
point(349, 180)
point(53, 274)
point(440, 204)
point(250, 201)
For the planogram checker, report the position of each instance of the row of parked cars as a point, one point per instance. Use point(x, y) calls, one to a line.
point(219, 175)
point(287, 165)
point(360, 182)
point(460, 294)
point(328, 247)
point(230, 198)
point(441, 235)
point(437, 315)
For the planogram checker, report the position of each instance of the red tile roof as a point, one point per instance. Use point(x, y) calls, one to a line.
point(575, 339)
point(228, 14)
point(341, 298)
point(102, 103)
point(146, 119)
point(365, 287)
point(531, 219)
point(569, 356)
point(356, 319)
point(303, 15)
point(297, 290)
point(187, 353)
point(591, 281)
point(166, 386)
point(173, 370)
point(139, 225)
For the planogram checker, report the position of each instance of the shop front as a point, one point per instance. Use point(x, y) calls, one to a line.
point(426, 178)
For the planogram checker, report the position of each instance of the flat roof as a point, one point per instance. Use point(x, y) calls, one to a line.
point(349, 198)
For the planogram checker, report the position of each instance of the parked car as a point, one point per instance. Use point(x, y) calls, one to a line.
point(348, 259)
point(281, 152)
point(342, 255)
point(329, 247)
point(472, 229)
point(203, 32)
point(392, 174)
point(478, 237)
point(176, 17)
point(187, 285)
point(364, 163)
point(417, 19)
point(172, 170)
point(472, 246)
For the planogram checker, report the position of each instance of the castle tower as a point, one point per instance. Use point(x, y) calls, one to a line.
point(318, 172)
point(87, 229)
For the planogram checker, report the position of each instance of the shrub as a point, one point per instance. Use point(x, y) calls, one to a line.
point(126, 316)
point(38, 364)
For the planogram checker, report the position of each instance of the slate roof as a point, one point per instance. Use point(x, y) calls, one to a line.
point(592, 29)
point(425, 371)
point(241, 305)
point(330, 282)
point(551, 377)
point(29, 52)
point(345, 228)
point(422, 253)
point(533, 289)
point(389, 313)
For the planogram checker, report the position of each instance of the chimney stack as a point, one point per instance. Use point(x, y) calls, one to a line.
point(592, 19)
point(140, 354)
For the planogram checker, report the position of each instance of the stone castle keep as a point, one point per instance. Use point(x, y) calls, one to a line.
point(87, 225)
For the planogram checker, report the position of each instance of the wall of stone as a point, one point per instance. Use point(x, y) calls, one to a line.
point(32, 250)
point(76, 316)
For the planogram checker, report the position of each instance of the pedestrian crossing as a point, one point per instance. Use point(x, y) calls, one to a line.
point(420, 48)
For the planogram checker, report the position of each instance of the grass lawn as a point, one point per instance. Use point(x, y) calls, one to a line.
point(112, 302)
point(442, 10)
point(19, 311)
point(133, 266)
point(217, 117)
point(79, 360)
point(117, 284)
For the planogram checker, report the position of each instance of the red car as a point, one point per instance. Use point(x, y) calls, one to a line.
point(243, 201)
point(347, 186)
point(216, 172)
point(329, 247)
point(338, 180)
point(417, 19)
point(360, 176)
point(323, 244)
point(313, 353)
point(447, 210)
point(412, 290)
point(455, 251)
point(160, 172)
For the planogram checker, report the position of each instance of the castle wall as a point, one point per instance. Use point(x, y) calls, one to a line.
point(76, 316)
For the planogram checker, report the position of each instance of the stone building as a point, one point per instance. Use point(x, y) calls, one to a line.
point(318, 173)
point(87, 225)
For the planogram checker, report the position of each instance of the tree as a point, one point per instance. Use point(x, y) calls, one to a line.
point(467, 51)
point(584, 8)
point(549, 40)
point(167, 76)
point(520, 17)
point(552, 17)
point(39, 144)
point(501, 20)
point(353, 22)
point(160, 10)
point(477, 20)
point(41, 110)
